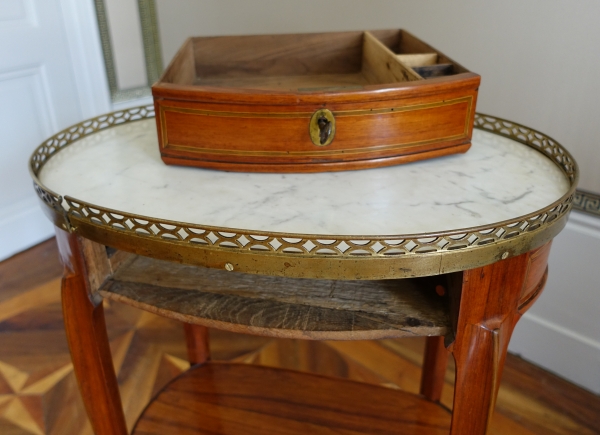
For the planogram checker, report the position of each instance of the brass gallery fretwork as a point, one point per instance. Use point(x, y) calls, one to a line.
point(67, 209)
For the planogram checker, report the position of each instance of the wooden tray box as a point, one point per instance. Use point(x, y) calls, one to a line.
point(312, 102)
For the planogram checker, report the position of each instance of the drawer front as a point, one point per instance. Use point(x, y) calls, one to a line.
point(276, 139)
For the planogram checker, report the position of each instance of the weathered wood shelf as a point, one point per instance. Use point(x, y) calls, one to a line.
point(280, 307)
point(239, 399)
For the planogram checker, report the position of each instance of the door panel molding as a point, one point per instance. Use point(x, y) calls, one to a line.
point(17, 13)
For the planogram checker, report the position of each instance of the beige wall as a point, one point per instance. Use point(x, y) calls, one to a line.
point(126, 40)
point(539, 59)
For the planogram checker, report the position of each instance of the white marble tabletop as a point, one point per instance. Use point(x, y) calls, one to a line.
point(496, 180)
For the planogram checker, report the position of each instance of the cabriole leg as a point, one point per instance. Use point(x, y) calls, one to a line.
point(489, 311)
point(435, 362)
point(88, 342)
point(197, 341)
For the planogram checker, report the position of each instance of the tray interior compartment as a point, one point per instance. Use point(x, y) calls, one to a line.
point(297, 63)
point(413, 53)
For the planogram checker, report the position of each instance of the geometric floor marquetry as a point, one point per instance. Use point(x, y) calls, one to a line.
point(38, 391)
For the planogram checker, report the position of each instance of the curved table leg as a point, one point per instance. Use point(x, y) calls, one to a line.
point(435, 362)
point(197, 340)
point(88, 342)
point(489, 311)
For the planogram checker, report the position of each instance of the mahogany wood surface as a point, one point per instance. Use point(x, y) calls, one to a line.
point(488, 313)
point(240, 399)
point(269, 86)
point(197, 343)
point(282, 307)
point(88, 341)
point(435, 362)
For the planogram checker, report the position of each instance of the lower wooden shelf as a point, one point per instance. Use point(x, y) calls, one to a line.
point(280, 307)
point(240, 399)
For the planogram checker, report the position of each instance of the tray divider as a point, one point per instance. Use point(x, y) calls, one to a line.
point(381, 65)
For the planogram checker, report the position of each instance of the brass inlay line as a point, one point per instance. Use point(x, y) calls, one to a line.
point(319, 153)
point(296, 115)
point(308, 114)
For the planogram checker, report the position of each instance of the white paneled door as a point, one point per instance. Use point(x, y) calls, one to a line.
point(38, 96)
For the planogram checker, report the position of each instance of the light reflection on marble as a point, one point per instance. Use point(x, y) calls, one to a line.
point(496, 180)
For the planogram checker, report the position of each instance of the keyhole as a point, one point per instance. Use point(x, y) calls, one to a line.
point(321, 127)
point(324, 129)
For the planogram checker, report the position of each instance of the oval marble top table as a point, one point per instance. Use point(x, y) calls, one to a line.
point(491, 186)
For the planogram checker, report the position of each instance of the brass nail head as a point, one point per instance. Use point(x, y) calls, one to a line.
point(440, 290)
point(229, 267)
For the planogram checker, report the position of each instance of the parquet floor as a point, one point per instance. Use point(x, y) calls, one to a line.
point(38, 391)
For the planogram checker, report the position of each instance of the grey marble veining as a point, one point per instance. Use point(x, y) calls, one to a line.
point(496, 180)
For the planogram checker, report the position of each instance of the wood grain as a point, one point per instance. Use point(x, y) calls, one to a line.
point(14, 272)
point(197, 343)
point(260, 400)
point(435, 362)
point(536, 267)
point(487, 316)
point(88, 342)
point(278, 55)
point(284, 307)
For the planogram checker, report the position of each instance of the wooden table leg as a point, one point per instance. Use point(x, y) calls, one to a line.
point(197, 342)
point(88, 342)
point(489, 311)
point(435, 362)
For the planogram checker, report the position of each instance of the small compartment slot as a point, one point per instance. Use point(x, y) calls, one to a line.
point(431, 71)
point(426, 64)
point(419, 59)
point(415, 54)
point(381, 65)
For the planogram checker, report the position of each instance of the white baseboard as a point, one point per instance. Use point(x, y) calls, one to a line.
point(561, 333)
point(568, 354)
point(22, 225)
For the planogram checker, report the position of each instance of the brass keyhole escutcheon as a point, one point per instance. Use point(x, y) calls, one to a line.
point(322, 127)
